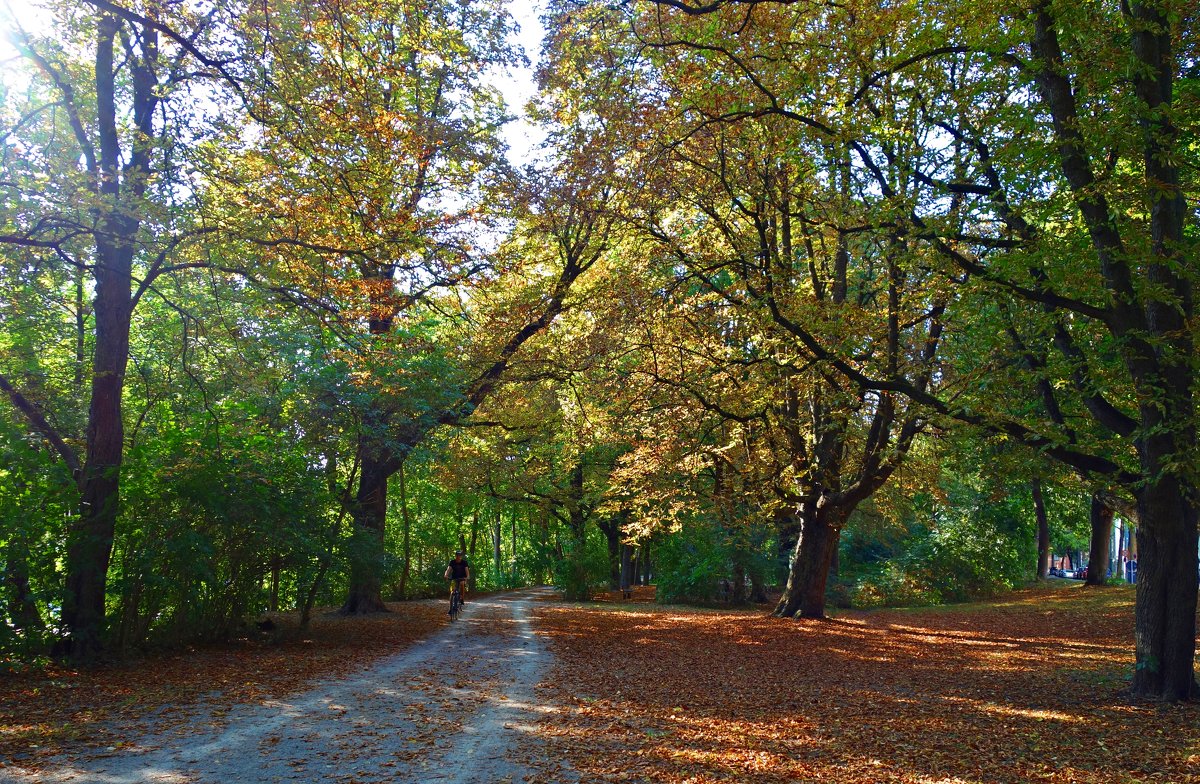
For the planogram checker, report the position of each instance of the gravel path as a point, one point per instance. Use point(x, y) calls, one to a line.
point(454, 708)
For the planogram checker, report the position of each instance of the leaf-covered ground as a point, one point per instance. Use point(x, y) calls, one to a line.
point(46, 711)
point(1025, 689)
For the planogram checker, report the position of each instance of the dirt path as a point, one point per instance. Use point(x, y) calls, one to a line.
point(454, 708)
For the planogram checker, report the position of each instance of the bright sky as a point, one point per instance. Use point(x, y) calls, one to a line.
point(14, 13)
point(516, 84)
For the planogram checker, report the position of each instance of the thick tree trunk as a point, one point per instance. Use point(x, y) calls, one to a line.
point(369, 515)
point(1043, 527)
point(804, 595)
point(1165, 625)
point(611, 527)
point(90, 538)
point(1102, 522)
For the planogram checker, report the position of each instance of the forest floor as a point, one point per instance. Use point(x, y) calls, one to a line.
point(526, 688)
point(1028, 688)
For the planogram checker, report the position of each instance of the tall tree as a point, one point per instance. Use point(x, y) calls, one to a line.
point(1071, 178)
point(390, 105)
point(1043, 525)
point(733, 204)
point(110, 137)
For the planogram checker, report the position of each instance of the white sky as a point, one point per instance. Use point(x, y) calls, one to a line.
point(13, 12)
point(516, 84)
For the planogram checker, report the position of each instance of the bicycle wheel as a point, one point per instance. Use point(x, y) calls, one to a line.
point(455, 605)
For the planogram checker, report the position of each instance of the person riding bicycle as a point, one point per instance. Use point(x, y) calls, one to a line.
point(458, 572)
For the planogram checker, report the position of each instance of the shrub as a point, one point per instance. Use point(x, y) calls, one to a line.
point(691, 563)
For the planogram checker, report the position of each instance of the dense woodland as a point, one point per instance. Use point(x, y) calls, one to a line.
point(819, 304)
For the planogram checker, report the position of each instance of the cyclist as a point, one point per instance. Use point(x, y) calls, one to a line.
point(458, 572)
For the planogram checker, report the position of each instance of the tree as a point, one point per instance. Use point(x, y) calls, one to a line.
point(734, 203)
point(390, 107)
point(100, 183)
point(1009, 98)
point(1043, 524)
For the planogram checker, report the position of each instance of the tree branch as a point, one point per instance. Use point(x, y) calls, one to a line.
point(39, 422)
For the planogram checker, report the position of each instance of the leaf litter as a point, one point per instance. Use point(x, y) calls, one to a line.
point(49, 710)
point(1026, 689)
point(1030, 688)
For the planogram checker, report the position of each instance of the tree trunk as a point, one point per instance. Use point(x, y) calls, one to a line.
point(129, 625)
point(611, 526)
point(1119, 555)
point(496, 554)
point(366, 549)
point(626, 570)
point(788, 528)
point(543, 526)
point(90, 538)
point(737, 594)
point(1102, 521)
point(310, 597)
point(1043, 527)
point(406, 522)
point(276, 566)
point(577, 588)
point(758, 588)
point(804, 595)
point(1165, 624)
point(514, 551)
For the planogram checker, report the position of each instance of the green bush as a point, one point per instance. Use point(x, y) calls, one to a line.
point(209, 534)
point(37, 497)
point(972, 543)
point(690, 564)
point(583, 568)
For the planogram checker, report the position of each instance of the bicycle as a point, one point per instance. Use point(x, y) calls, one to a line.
point(456, 601)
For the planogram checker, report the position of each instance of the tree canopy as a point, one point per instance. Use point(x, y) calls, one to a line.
point(814, 304)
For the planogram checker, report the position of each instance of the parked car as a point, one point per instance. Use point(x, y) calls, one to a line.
point(1081, 574)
